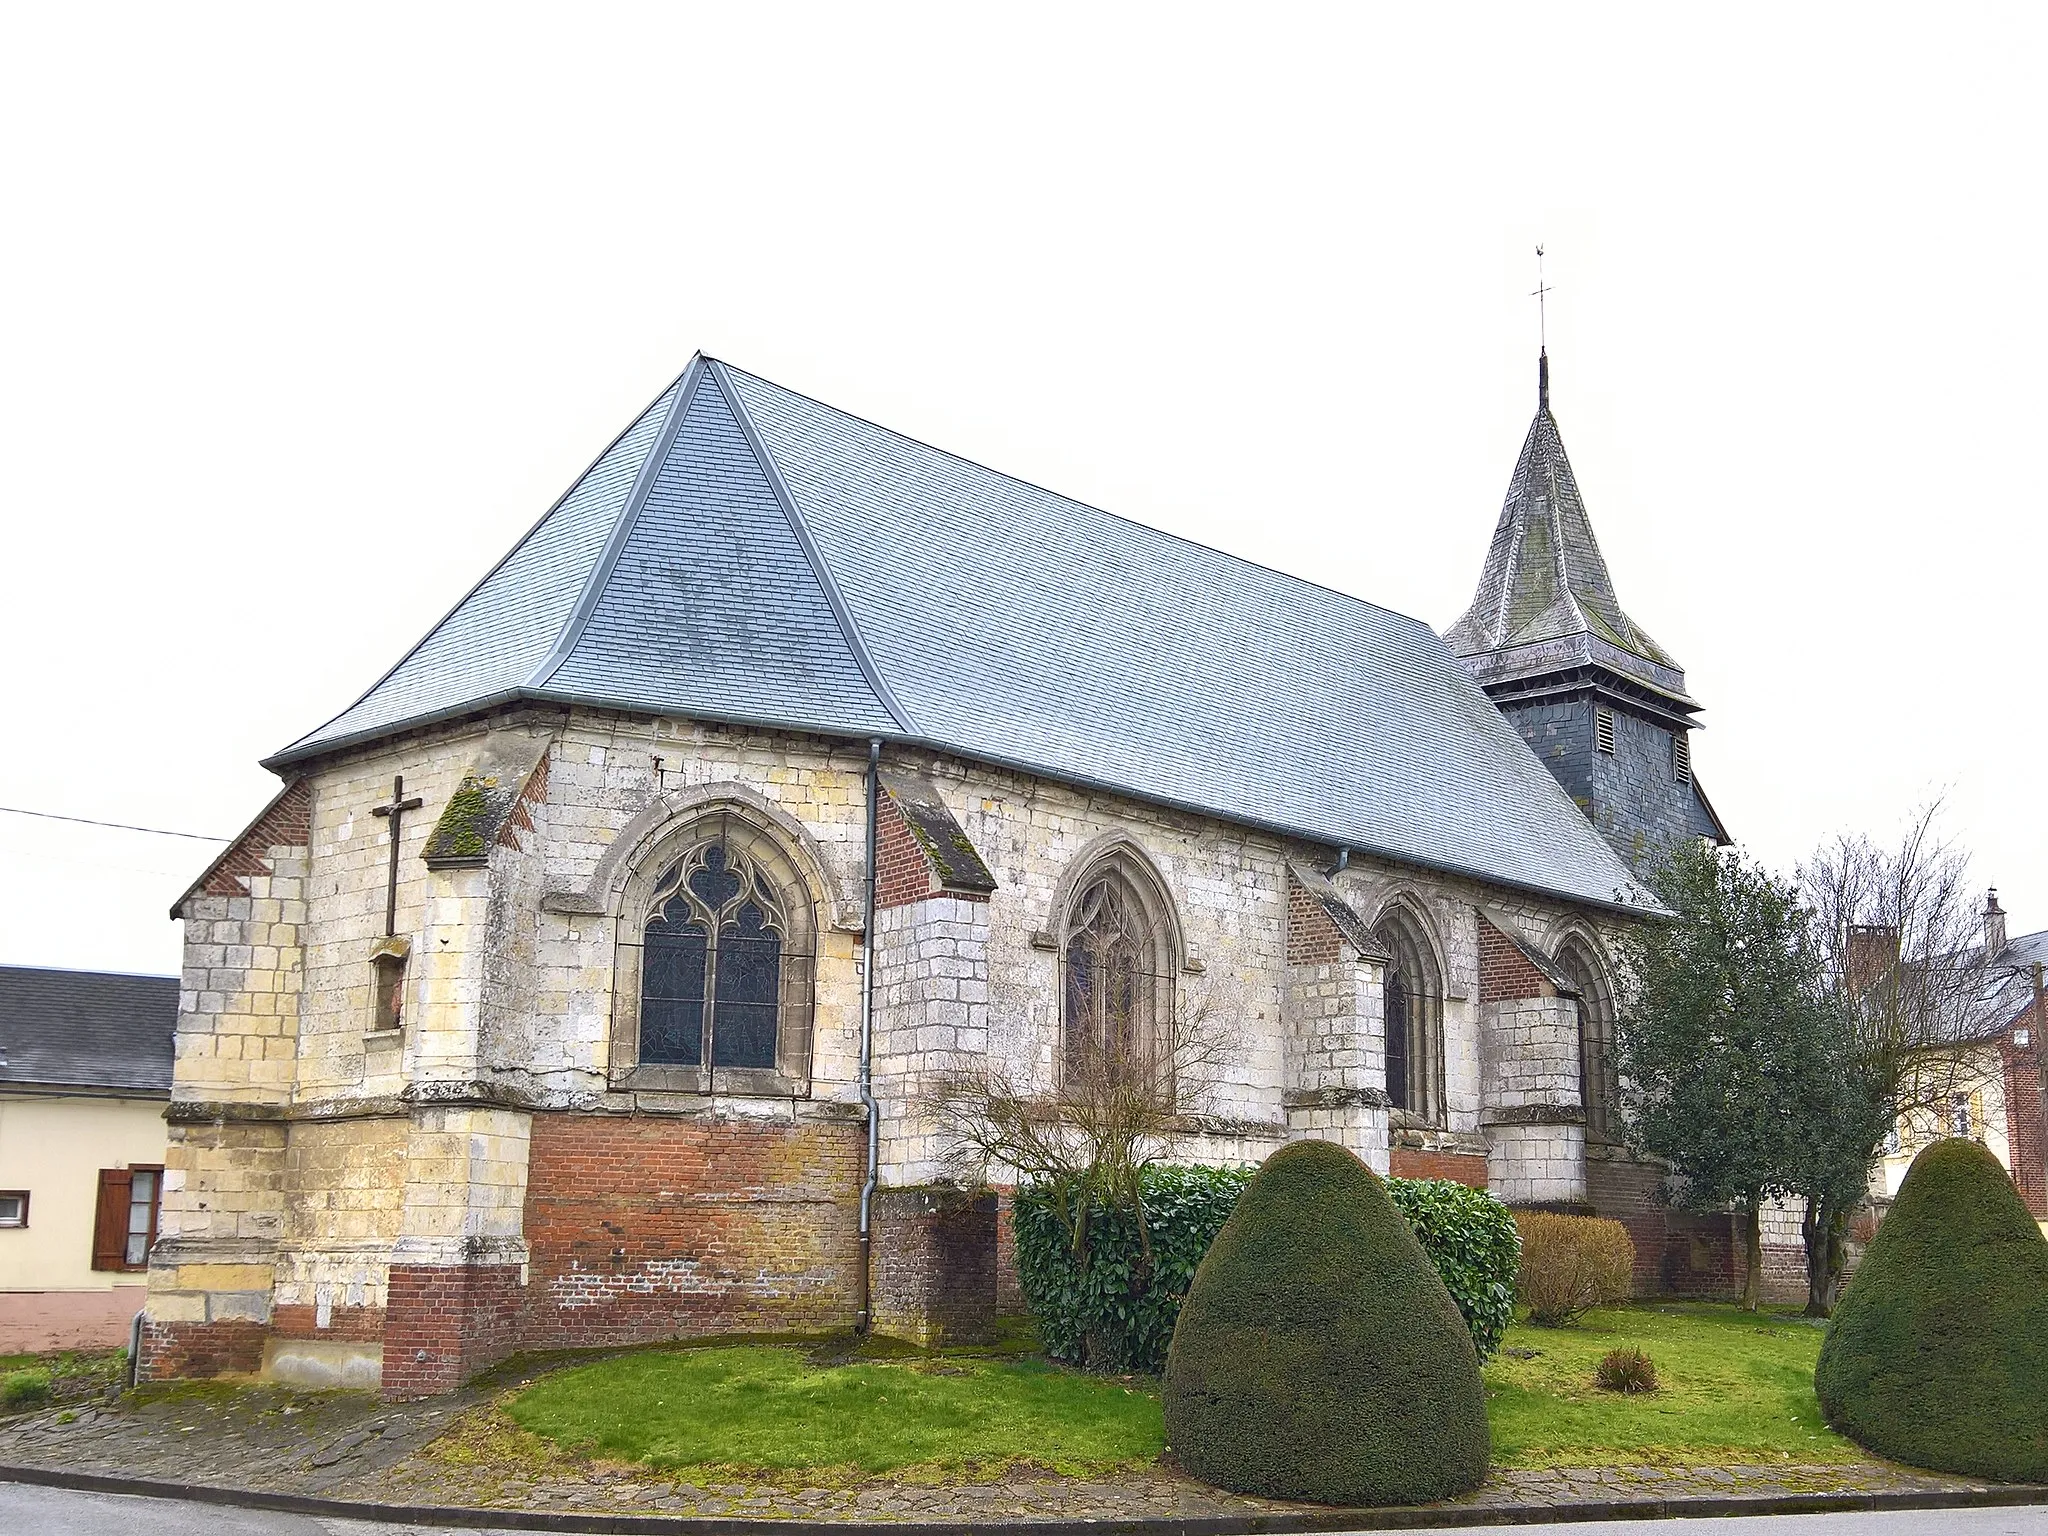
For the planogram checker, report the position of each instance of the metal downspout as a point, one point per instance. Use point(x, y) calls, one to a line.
point(867, 1053)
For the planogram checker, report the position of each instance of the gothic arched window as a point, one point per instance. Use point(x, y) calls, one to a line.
point(724, 962)
point(1414, 1015)
point(1118, 959)
point(1599, 1084)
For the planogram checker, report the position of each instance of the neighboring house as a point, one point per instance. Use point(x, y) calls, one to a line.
point(531, 1012)
point(1997, 1097)
point(85, 1072)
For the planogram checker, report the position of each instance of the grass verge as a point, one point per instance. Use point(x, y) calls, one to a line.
point(776, 1410)
point(1733, 1388)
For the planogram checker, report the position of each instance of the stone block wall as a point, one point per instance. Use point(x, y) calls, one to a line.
point(930, 1015)
point(1535, 1122)
point(398, 1181)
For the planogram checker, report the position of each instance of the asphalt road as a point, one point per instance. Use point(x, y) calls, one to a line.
point(30, 1511)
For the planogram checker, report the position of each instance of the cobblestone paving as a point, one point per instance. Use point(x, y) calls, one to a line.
point(445, 1452)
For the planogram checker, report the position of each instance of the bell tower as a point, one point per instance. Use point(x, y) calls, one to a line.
point(1601, 703)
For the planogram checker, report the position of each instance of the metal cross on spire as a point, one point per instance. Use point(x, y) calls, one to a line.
point(1541, 291)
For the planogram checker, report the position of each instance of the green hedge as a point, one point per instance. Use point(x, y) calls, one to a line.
point(1118, 1314)
point(1472, 1240)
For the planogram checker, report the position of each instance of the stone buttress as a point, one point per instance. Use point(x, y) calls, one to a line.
point(1532, 1114)
point(1335, 1016)
point(934, 1266)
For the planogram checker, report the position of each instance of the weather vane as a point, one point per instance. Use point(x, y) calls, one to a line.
point(1542, 290)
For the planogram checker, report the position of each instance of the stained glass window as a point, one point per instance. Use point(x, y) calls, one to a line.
point(711, 978)
point(1117, 973)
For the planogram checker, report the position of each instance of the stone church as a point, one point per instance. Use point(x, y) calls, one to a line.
point(578, 984)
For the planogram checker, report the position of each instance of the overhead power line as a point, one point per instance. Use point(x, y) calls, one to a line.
point(119, 826)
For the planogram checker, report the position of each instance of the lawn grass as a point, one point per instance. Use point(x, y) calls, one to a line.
point(767, 1409)
point(1732, 1388)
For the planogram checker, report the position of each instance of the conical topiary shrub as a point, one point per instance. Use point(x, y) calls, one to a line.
point(1938, 1354)
point(1318, 1356)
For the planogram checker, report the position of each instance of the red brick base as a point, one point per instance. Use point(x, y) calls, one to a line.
point(1463, 1167)
point(444, 1324)
point(1678, 1253)
point(935, 1265)
point(175, 1350)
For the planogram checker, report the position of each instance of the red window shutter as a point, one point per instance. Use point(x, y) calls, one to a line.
point(110, 1220)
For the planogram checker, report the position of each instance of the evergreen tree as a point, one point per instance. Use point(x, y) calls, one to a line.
point(1725, 1043)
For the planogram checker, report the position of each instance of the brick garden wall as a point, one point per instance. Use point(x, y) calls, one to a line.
point(644, 1228)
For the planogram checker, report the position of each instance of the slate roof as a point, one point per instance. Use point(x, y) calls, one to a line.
point(86, 1029)
point(1545, 600)
point(745, 553)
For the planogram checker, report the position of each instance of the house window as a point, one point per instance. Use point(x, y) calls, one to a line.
point(1959, 1113)
point(124, 1225)
point(1118, 959)
point(1603, 731)
point(1414, 1016)
point(1599, 1082)
point(13, 1208)
point(712, 968)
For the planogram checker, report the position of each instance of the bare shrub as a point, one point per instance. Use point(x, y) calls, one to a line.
point(1572, 1264)
point(1625, 1370)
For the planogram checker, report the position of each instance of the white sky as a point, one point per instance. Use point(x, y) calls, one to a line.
point(305, 314)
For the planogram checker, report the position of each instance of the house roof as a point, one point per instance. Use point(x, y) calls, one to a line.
point(1546, 601)
point(745, 553)
point(86, 1029)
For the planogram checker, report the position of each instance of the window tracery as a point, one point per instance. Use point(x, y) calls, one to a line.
point(1118, 960)
point(718, 969)
point(1414, 1020)
point(1599, 1082)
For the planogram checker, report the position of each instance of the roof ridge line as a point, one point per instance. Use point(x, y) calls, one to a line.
point(622, 527)
point(518, 544)
point(1046, 490)
point(834, 598)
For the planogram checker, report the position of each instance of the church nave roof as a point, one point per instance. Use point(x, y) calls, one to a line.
point(744, 553)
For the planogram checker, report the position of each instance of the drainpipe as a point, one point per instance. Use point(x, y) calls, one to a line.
point(867, 1053)
point(1343, 859)
point(134, 1350)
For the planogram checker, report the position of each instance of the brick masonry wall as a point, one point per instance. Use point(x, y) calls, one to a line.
point(2026, 1116)
point(1412, 1163)
point(650, 1227)
point(1504, 971)
point(1677, 1253)
point(171, 1351)
point(345, 1323)
point(445, 1323)
point(1312, 937)
point(935, 1265)
point(902, 872)
point(1009, 1286)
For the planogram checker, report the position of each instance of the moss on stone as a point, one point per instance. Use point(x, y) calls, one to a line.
point(462, 831)
point(1938, 1353)
point(1318, 1355)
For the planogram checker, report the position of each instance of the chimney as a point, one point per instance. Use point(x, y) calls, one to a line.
point(1872, 953)
point(1994, 925)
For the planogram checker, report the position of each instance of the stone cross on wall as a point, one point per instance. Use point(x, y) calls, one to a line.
point(396, 811)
